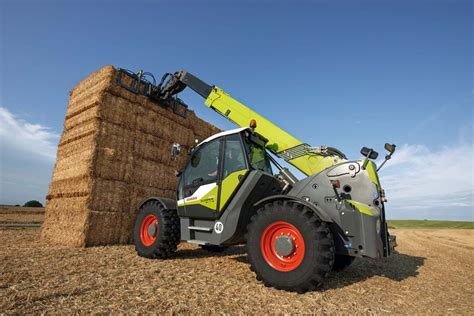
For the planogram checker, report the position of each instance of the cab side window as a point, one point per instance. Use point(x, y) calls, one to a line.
point(258, 158)
point(234, 158)
point(203, 166)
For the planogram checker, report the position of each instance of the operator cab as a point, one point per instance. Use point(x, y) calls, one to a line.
point(217, 167)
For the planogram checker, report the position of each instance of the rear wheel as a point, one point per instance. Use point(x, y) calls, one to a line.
point(156, 232)
point(289, 247)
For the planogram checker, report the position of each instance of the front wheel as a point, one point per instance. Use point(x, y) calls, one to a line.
point(289, 247)
point(156, 233)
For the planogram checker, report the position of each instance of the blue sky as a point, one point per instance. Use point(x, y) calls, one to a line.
point(341, 73)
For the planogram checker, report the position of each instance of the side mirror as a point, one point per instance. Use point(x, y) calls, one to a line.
point(369, 153)
point(390, 147)
point(175, 150)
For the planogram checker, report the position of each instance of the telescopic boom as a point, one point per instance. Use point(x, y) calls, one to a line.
point(307, 159)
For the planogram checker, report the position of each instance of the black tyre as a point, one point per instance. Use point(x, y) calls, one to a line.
point(341, 262)
point(213, 248)
point(156, 233)
point(289, 247)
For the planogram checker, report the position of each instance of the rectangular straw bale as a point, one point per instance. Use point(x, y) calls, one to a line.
point(77, 100)
point(145, 106)
point(113, 164)
point(68, 146)
point(109, 195)
point(71, 185)
point(67, 149)
point(113, 154)
point(86, 86)
point(83, 102)
point(85, 109)
point(105, 228)
point(83, 117)
point(65, 221)
point(201, 129)
point(81, 130)
point(150, 147)
point(162, 174)
point(111, 135)
point(118, 111)
point(74, 165)
point(154, 124)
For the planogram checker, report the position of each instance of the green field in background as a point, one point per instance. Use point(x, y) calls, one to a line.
point(429, 224)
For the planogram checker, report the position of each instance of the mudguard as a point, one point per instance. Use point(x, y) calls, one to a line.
point(316, 209)
point(167, 203)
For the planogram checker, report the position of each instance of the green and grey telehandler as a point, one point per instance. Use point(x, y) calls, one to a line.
point(296, 231)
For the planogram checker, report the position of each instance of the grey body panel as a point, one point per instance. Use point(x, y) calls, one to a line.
point(355, 233)
point(235, 217)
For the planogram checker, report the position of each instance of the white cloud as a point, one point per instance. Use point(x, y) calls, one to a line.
point(419, 179)
point(27, 155)
point(18, 134)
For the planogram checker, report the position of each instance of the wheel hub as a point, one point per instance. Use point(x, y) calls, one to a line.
point(284, 246)
point(152, 229)
point(149, 230)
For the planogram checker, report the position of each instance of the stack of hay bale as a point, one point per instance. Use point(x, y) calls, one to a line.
point(114, 153)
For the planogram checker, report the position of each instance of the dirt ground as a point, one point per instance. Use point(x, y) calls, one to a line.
point(432, 273)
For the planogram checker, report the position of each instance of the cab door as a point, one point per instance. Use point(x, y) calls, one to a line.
point(233, 170)
point(212, 177)
point(198, 192)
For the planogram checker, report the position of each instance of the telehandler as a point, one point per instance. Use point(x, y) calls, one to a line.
point(234, 191)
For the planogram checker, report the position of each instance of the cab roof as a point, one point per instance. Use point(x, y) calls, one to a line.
point(224, 133)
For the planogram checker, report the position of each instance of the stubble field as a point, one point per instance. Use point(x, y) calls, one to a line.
point(431, 273)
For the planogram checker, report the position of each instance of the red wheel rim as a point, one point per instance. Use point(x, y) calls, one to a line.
point(268, 246)
point(147, 233)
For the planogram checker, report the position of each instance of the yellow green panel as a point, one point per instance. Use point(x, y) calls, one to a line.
point(209, 200)
point(312, 163)
point(363, 208)
point(278, 139)
point(229, 184)
point(372, 171)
